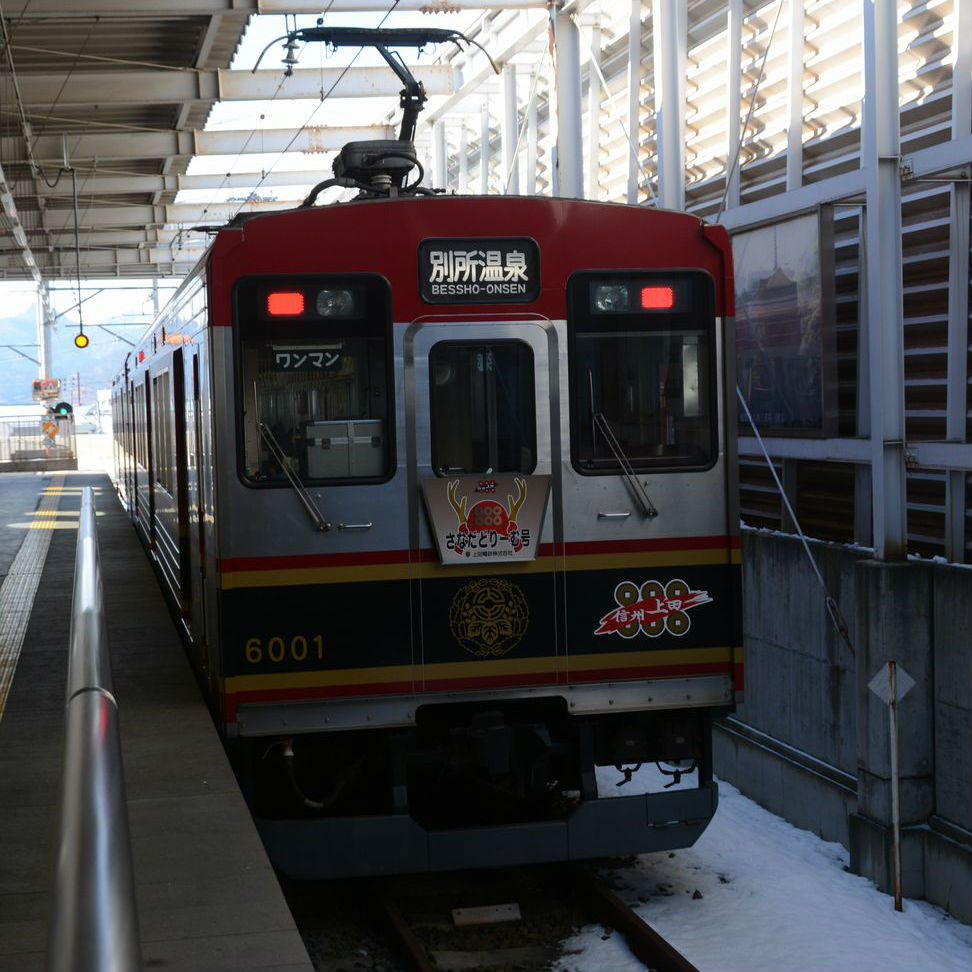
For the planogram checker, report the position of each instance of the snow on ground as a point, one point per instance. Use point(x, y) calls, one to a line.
point(772, 898)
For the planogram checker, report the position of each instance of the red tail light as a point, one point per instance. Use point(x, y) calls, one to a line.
point(285, 303)
point(657, 298)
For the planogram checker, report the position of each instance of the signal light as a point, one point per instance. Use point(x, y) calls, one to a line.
point(285, 303)
point(657, 298)
point(81, 340)
point(63, 408)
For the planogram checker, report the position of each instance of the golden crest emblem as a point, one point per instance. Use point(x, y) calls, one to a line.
point(489, 616)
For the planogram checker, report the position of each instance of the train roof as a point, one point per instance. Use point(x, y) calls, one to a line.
point(383, 235)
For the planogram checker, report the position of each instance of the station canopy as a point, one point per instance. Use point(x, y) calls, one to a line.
point(106, 158)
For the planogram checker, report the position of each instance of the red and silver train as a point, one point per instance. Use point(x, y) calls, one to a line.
point(443, 489)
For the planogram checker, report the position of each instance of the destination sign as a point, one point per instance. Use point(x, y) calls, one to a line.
point(496, 270)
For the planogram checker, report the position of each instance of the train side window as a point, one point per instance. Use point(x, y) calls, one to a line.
point(162, 444)
point(642, 370)
point(313, 368)
point(141, 456)
point(482, 407)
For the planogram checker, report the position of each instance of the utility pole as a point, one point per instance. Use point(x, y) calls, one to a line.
point(45, 367)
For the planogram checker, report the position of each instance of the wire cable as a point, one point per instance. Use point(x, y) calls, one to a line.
point(833, 610)
point(749, 114)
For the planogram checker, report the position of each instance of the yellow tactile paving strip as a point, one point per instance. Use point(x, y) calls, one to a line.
point(21, 583)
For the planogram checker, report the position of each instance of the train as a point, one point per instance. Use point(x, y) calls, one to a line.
point(442, 491)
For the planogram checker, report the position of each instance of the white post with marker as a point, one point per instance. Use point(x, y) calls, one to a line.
point(891, 684)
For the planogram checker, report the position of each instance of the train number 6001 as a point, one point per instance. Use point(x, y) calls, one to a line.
point(276, 649)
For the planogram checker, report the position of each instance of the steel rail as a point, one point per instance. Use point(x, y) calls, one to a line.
point(94, 922)
point(417, 958)
point(653, 950)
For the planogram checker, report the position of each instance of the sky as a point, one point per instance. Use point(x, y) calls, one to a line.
point(772, 898)
point(123, 306)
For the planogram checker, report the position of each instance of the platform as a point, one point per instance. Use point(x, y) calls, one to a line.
point(208, 898)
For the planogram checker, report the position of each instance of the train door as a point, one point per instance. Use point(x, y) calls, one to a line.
point(181, 484)
point(131, 489)
point(149, 461)
point(197, 537)
point(483, 454)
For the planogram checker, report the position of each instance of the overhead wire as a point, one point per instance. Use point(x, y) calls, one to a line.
point(317, 107)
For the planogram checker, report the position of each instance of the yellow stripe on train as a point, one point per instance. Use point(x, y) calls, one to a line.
point(563, 664)
point(366, 573)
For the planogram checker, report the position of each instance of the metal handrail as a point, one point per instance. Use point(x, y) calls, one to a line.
point(94, 922)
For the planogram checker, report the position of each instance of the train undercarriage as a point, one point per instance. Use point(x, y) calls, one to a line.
point(477, 784)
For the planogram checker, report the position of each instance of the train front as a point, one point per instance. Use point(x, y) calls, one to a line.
point(478, 550)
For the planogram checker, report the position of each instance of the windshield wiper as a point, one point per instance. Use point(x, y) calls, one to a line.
point(309, 505)
point(600, 424)
point(637, 487)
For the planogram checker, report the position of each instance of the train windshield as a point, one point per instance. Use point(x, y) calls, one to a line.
point(482, 407)
point(313, 371)
point(642, 370)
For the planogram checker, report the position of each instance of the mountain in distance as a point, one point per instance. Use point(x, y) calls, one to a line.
point(96, 365)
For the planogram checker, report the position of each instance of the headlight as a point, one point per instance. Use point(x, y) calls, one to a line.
point(611, 298)
point(335, 303)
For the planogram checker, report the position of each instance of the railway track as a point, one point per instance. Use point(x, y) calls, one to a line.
point(413, 923)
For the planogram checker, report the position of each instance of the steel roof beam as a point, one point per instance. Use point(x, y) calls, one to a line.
point(218, 213)
point(62, 262)
point(133, 145)
point(118, 87)
point(355, 82)
point(64, 239)
point(423, 6)
point(150, 9)
point(106, 185)
point(212, 214)
point(97, 236)
point(165, 87)
point(62, 220)
point(272, 140)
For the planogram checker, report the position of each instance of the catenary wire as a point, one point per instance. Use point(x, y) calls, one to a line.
point(317, 107)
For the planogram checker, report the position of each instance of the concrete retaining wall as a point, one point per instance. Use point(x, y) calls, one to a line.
point(811, 741)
